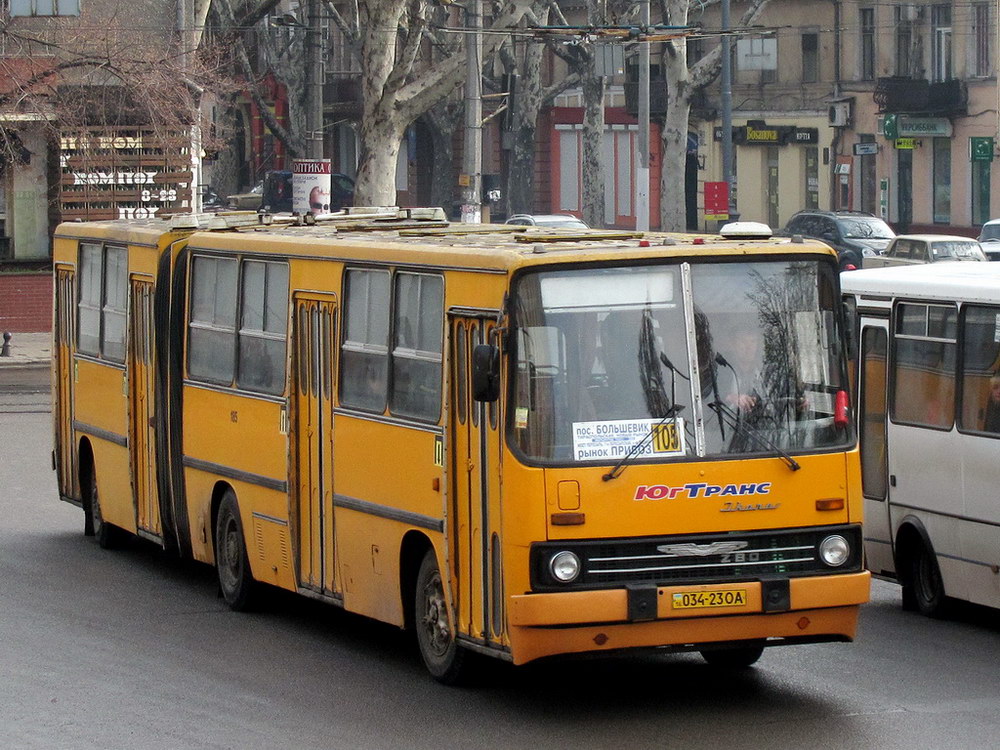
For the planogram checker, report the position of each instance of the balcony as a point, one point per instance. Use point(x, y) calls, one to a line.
point(917, 96)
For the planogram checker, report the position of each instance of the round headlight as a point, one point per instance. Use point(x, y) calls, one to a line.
point(834, 550)
point(564, 566)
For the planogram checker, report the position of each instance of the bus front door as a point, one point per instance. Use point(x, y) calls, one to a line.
point(315, 317)
point(142, 437)
point(475, 493)
point(873, 418)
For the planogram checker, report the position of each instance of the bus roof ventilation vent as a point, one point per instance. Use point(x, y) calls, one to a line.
point(746, 230)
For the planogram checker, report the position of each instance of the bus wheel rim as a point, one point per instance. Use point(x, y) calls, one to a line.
point(435, 617)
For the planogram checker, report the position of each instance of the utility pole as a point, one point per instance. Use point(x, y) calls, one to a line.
point(472, 158)
point(314, 83)
point(642, 145)
point(727, 111)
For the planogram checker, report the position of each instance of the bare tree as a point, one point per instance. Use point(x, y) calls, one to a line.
point(398, 82)
point(682, 84)
point(522, 59)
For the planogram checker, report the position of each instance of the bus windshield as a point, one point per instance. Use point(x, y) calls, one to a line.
point(707, 359)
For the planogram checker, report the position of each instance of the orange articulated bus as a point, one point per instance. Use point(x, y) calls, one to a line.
point(518, 442)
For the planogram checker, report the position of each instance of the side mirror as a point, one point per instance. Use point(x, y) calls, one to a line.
point(485, 373)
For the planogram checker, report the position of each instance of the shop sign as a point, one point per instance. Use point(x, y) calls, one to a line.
point(907, 143)
point(759, 133)
point(865, 149)
point(981, 148)
point(917, 126)
point(716, 201)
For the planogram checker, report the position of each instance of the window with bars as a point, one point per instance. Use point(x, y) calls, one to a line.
point(867, 44)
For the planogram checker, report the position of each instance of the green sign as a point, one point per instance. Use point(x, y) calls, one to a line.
point(981, 148)
point(890, 129)
point(906, 143)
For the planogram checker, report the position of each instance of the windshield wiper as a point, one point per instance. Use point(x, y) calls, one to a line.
point(733, 420)
point(619, 467)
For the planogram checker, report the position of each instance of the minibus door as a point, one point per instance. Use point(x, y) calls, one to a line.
point(315, 317)
point(475, 527)
point(65, 320)
point(142, 437)
point(873, 421)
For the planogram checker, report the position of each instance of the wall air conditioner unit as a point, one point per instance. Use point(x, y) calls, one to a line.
point(839, 114)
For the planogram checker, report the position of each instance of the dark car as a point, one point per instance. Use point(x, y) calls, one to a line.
point(274, 193)
point(853, 234)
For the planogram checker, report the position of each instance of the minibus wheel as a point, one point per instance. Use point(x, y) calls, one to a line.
point(925, 584)
point(736, 657)
point(231, 562)
point(445, 659)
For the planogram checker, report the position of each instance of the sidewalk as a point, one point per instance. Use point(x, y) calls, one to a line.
point(28, 351)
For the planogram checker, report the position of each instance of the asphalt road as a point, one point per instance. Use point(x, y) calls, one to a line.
point(130, 649)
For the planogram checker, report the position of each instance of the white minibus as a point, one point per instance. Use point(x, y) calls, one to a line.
point(927, 340)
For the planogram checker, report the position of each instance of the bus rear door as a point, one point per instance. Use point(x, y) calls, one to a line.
point(142, 437)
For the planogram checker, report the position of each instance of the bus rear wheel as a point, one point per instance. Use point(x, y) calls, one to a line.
point(736, 657)
point(231, 562)
point(925, 587)
point(445, 659)
point(107, 535)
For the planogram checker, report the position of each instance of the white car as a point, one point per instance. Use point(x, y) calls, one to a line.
point(989, 238)
point(912, 249)
point(552, 221)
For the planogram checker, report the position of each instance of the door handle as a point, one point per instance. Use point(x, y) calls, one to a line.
point(892, 480)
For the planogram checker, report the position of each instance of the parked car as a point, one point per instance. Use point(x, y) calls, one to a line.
point(853, 234)
point(912, 249)
point(274, 193)
point(553, 221)
point(989, 238)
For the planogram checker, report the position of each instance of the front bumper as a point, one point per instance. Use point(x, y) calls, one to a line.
point(819, 608)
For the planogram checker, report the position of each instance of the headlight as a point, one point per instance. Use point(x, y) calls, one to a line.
point(834, 550)
point(564, 566)
point(868, 252)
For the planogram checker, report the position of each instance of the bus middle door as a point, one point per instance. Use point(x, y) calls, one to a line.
point(312, 446)
point(475, 525)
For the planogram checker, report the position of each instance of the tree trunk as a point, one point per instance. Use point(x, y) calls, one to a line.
point(525, 105)
point(381, 126)
point(593, 136)
point(673, 213)
point(442, 122)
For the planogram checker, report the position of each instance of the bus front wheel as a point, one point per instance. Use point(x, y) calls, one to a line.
point(444, 658)
point(736, 657)
point(925, 587)
point(231, 562)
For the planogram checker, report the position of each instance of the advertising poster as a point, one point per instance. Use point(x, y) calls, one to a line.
point(311, 186)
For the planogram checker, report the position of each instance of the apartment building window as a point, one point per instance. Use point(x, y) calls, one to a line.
point(812, 176)
point(981, 36)
point(942, 180)
point(941, 44)
point(980, 192)
point(810, 58)
point(867, 44)
point(904, 39)
point(45, 7)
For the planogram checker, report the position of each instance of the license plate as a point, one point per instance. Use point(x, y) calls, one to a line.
point(706, 599)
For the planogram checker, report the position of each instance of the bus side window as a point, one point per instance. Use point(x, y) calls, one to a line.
point(264, 327)
point(418, 337)
point(923, 372)
point(364, 362)
point(212, 324)
point(980, 369)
